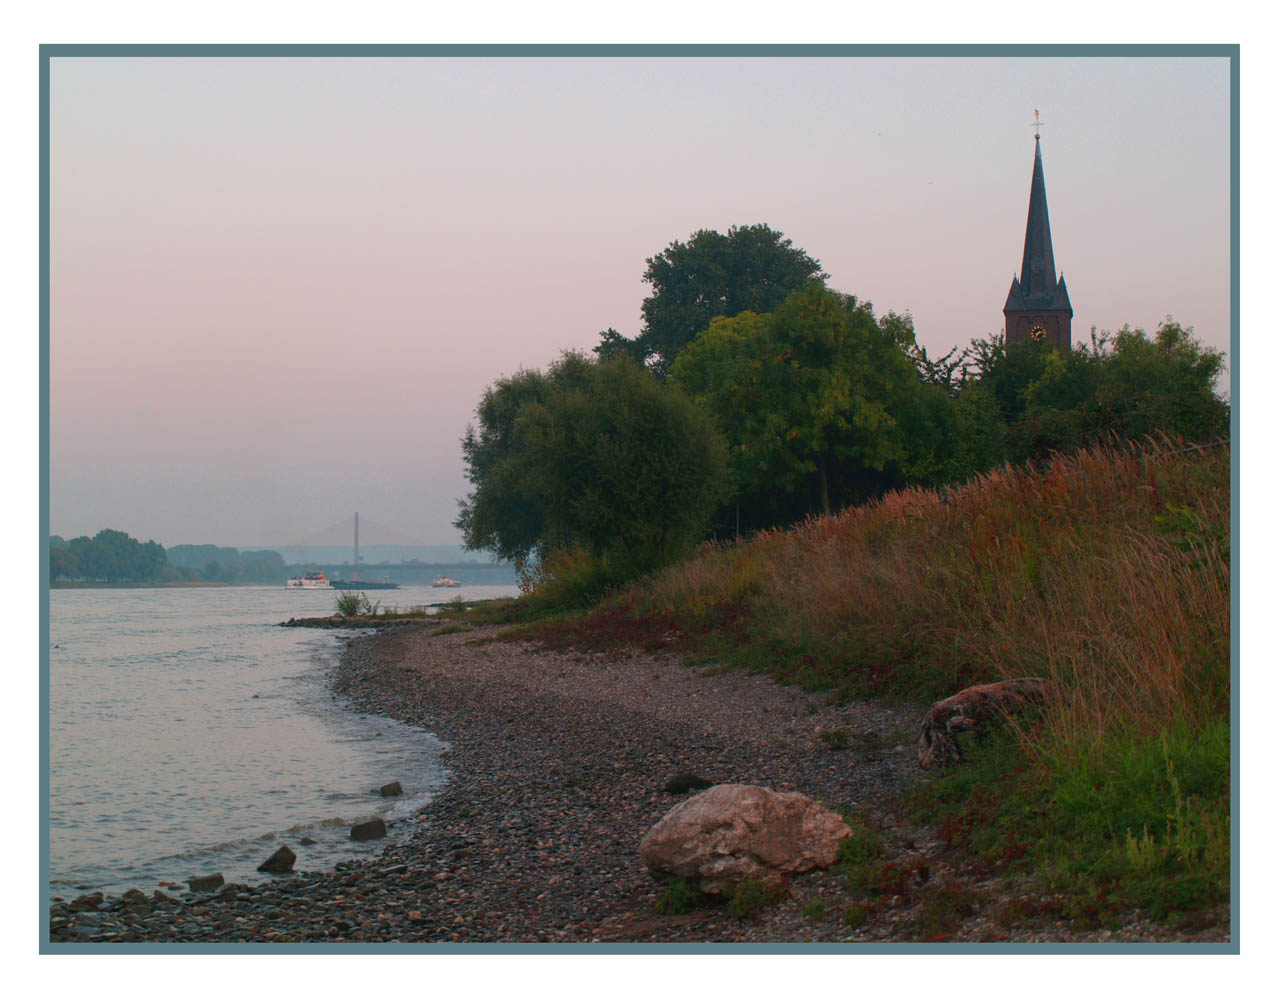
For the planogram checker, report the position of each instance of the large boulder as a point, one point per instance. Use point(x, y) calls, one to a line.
point(731, 833)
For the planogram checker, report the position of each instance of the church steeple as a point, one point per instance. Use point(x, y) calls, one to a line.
point(1038, 273)
point(1038, 307)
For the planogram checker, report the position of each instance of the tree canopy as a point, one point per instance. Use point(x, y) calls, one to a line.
point(809, 396)
point(110, 556)
point(779, 398)
point(751, 268)
point(593, 454)
point(1125, 385)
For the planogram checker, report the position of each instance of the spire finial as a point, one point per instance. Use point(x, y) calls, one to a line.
point(1037, 123)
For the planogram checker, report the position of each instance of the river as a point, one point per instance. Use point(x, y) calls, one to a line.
point(188, 735)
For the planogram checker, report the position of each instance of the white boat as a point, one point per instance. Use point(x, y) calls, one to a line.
point(446, 581)
point(312, 581)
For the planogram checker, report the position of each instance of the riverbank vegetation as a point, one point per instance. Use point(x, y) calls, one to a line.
point(1107, 572)
point(789, 401)
point(896, 525)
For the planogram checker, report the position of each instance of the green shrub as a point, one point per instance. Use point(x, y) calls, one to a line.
point(573, 578)
point(681, 895)
point(862, 845)
point(752, 896)
point(351, 603)
point(816, 909)
point(1139, 821)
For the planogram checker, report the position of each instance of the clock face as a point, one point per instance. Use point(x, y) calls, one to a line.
point(1037, 333)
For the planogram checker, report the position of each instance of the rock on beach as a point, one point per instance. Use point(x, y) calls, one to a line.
point(369, 830)
point(280, 863)
point(731, 833)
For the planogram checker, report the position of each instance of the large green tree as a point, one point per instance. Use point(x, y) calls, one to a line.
point(1165, 382)
point(751, 268)
point(807, 395)
point(597, 455)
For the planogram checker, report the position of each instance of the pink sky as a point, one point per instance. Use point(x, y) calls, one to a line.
point(242, 248)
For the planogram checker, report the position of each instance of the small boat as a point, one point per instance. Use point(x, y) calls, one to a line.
point(312, 581)
point(446, 581)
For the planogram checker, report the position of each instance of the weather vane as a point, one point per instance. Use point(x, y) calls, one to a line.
point(1037, 123)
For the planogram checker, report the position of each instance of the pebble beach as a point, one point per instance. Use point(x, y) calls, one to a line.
point(558, 762)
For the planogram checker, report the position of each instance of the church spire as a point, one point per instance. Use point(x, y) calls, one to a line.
point(1038, 307)
point(1039, 279)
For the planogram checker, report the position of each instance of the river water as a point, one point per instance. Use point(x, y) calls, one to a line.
point(188, 735)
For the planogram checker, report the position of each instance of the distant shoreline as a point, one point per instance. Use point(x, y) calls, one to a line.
point(168, 584)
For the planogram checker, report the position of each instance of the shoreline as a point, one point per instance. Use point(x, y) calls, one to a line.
point(150, 585)
point(558, 761)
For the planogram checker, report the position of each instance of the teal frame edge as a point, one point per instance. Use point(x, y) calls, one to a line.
point(1231, 52)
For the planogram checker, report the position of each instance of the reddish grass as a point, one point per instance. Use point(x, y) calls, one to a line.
point(1107, 571)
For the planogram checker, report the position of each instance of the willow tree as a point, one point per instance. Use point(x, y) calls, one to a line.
point(593, 454)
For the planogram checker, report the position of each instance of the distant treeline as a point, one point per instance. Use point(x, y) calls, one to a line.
point(112, 556)
point(224, 564)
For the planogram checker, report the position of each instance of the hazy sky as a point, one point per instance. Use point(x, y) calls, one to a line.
point(280, 286)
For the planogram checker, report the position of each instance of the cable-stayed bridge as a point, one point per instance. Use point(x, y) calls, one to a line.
point(360, 537)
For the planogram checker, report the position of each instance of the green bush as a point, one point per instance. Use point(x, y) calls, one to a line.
point(573, 578)
point(350, 602)
point(681, 895)
point(1141, 821)
point(752, 896)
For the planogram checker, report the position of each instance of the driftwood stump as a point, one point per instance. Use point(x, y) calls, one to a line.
point(973, 710)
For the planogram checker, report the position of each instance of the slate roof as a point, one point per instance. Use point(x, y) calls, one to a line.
point(1038, 287)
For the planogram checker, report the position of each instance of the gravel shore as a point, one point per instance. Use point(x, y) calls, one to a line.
point(558, 762)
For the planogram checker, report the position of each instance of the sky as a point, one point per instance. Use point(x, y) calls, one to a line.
point(279, 287)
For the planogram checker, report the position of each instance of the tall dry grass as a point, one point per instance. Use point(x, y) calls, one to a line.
point(1107, 571)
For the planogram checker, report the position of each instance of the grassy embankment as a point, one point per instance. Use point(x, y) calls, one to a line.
point(1107, 572)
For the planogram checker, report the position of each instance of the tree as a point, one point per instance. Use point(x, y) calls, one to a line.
point(752, 268)
point(1007, 369)
point(62, 563)
point(628, 467)
point(806, 395)
point(598, 455)
point(109, 555)
point(149, 561)
point(1165, 383)
point(1126, 385)
point(504, 512)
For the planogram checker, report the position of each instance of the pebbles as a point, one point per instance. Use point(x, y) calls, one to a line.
point(558, 762)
